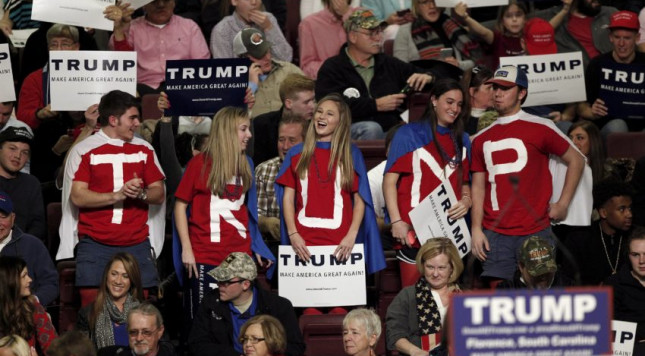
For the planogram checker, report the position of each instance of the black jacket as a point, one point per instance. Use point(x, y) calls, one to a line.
point(165, 349)
point(39, 264)
point(337, 74)
point(265, 136)
point(212, 330)
point(629, 295)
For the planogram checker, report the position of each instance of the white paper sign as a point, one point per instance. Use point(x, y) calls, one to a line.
point(553, 78)
point(79, 79)
point(430, 219)
point(624, 334)
point(8, 92)
point(135, 4)
point(85, 13)
point(324, 281)
point(19, 37)
point(471, 3)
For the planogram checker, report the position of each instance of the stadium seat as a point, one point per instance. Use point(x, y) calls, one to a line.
point(417, 104)
point(323, 334)
point(69, 298)
point(149, 110)
point(626, 145)
point(373, 152)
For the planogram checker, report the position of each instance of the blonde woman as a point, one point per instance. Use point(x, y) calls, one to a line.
point(14, 345)
point(323, 188)
point(216, 207)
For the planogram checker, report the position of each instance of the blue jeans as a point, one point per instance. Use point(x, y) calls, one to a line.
point(366, 130)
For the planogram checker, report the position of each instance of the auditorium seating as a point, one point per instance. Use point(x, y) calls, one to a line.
point(69, 298)
point(417, 104)
point(373, 151)
point(149, 110)
point(626, 145)
point(54, 216)
point(323, 334)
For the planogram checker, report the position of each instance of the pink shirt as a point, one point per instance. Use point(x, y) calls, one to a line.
point(180, 38)
point(321, 36)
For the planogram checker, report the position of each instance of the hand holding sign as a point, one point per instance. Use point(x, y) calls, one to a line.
point(598, 109)
point(299, 246)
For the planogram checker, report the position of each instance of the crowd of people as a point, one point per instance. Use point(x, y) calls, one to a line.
point(545, 207)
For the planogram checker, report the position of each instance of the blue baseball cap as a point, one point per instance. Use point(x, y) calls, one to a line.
point(6, 205)
point(509, 76)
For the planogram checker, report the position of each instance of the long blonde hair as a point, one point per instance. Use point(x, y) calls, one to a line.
point(341, 151)
point(223, 149)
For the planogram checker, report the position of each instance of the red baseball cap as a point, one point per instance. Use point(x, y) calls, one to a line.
point(539, 37)
point(624, 19)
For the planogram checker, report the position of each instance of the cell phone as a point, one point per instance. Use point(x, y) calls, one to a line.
point(406, 89)
point(402, 13)
point(446, 52)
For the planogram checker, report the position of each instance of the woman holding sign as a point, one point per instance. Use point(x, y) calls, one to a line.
point(424, 155)
point(323, 190)
point(216, 207)
point(416, 315)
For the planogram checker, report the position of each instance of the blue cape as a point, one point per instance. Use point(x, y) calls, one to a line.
point(368, 233)
point(411, 137)
point(257, 243)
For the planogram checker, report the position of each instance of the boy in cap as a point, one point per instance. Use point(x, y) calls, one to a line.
point(24, 189)
point(265, 73)
point(624, 36)
point(536, 265)
point(248, 14)
point(370, 81)
point(14, 242)
point(511, 182)
point(224, 310)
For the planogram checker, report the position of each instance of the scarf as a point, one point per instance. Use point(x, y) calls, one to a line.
point(429, 41)
point(103, 330)
point(428, 315)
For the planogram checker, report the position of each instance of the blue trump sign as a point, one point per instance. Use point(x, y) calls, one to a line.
point(529, 322)
point(622, 89)
point(200, 87)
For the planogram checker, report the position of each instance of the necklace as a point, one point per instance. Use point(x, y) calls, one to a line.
point(320, 179)
point(620, 241)
point(234, 194)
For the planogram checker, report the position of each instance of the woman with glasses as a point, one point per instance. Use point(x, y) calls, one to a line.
point(20, 312)
point(263, 335)
point(416, 315)
point(105, 320)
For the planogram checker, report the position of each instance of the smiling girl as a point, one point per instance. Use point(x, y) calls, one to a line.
point(423, 155)
point(324, 190)
point(216, 207)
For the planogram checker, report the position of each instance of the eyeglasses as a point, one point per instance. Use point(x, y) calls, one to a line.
point(144, 332)
point(252, 339)
point(228, 283)
point(375, 33)
point(61, 45)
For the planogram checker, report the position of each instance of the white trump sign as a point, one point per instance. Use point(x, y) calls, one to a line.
point(8, 93)
point(430, 219)
point(324, 281)
point(78, 79)
point(86, 13)
point(624, 337)
point(553, 78)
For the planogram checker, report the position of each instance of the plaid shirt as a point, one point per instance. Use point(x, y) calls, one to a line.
point(265, 175)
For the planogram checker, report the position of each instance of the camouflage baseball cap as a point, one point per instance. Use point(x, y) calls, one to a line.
point(237, 264)
point(364, 19)
point(538, 256)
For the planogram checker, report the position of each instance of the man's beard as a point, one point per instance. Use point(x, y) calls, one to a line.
point(141, 349)
point(587, 8)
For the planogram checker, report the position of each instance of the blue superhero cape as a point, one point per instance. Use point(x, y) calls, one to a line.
point(368, 233)
point(257, 243)
point(411, 137)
